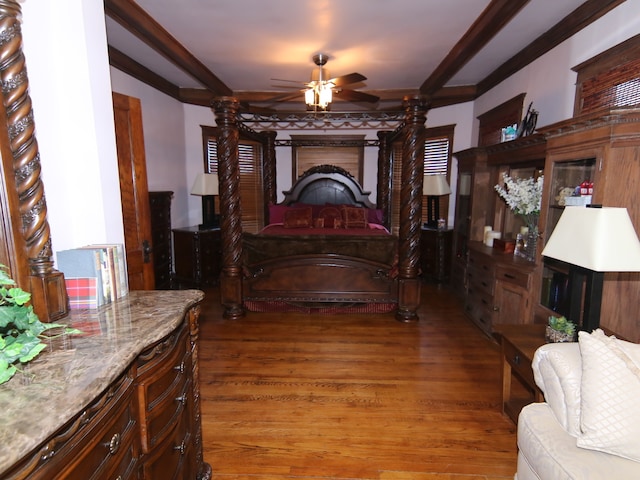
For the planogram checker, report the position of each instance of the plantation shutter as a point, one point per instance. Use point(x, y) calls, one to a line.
point(250, 165)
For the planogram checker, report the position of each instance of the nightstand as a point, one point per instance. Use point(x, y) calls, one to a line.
point(435, 254)
point(198, 257)
point(518, 344)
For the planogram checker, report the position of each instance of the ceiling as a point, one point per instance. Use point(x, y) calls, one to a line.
point(451, 51)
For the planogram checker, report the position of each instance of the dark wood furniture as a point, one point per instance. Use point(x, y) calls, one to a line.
point(198, 257)
point(498, 287)
point(518, 345)
point(314, 269)
point(131, 408)
point(435, 254)
point(160, 209)
point(495, 286)
point(604, 146)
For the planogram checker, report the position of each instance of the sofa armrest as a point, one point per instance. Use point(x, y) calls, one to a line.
point(557, 369)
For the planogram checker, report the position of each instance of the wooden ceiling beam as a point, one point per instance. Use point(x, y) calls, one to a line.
point(497, 14)
point(128, 14)
point(584, 15)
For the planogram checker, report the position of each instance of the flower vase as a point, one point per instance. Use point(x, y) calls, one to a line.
point(530, 244)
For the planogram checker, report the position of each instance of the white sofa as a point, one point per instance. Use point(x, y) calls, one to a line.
point(589, 425)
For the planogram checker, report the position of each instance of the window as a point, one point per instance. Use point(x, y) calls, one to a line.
point(251, 193)
point(437, 161)
point(345, 151)
point(609, 80)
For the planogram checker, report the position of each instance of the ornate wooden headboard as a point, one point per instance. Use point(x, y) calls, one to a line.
point(327, 184)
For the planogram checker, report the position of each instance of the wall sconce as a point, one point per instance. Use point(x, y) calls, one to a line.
point(206, 186)
point(592, 240)
point(434, 186)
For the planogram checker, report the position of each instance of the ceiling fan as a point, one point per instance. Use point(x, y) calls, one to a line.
point(319, 91)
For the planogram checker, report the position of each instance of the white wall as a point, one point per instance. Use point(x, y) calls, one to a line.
point(163, 122)
point(66, 56)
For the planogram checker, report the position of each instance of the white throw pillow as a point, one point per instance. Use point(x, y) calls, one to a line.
point(610, 393)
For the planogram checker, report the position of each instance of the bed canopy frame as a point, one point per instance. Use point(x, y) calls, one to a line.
point(411, 133)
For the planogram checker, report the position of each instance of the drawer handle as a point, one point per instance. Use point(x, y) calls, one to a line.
point(114, 444)
point(484, 284)
point(179, 368)
point(509, 276)
point(516, 360)
point(496, 308)
point(182, 399)
point(181, 448)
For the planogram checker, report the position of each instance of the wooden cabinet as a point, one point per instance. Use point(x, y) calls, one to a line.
point(435, 254)
point(144, 425)
point(160, 209)
point(498, 288)
point(198, 256)
point(606, 148)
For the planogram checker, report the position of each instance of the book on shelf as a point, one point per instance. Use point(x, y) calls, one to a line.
point(94, 274)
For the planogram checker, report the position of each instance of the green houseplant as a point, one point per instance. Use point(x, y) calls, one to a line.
point(560, 329)
point(20, 328)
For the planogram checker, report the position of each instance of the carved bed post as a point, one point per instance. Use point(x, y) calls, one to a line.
point(411, 208)
point(46, 285)
point(383, 192)
point(226, 109)
point(269, 171)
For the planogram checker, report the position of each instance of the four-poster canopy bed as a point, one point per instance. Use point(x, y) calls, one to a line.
point(325, 243)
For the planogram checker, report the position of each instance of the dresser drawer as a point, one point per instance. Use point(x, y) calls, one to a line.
point(511, 275)
point(479, 280)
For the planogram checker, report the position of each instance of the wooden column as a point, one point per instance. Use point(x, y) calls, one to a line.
point(411, 208)
point(269, 171)
point(29, 219)
point(226, 109)
point(383, 192)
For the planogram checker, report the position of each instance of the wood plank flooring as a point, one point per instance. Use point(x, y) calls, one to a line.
point(353, 396)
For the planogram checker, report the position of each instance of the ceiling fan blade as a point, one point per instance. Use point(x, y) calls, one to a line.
point(355, 96)
point(348, 79)
point(288, 81)
point(246, 107)
point(285, 97)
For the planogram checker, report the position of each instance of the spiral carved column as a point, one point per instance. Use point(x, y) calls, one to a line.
point(411, 208)
point(269, 170)
point(383, 191)
point(48, 294)
point(226, 109)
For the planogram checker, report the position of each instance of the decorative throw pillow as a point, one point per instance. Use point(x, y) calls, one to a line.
point(276, 213)
point(298, 218)
point(331, 217)
point(610, 393)
point(374, 215)
point(354, 217)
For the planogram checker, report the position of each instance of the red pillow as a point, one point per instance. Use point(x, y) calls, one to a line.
point(298, 218)
point(354, 217)
point(331, 217)
point(276, 213)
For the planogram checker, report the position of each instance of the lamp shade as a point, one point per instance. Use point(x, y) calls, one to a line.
point(435, 185)
point(205, 184)
point(599, 239)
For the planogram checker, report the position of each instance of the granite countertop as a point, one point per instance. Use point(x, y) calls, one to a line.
point(75, 369)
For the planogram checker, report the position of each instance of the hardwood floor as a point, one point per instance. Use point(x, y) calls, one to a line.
point(353, 396)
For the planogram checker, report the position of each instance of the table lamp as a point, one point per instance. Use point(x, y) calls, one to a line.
point(206, 186)
point(592, 239)
point(434, 186)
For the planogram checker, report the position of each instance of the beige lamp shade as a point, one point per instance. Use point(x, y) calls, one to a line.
point(599, 239)
point(205, 184)
point(435, 185)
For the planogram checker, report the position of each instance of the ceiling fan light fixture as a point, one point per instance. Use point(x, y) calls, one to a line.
point(319, 95)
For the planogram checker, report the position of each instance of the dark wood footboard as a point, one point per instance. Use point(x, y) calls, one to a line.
point(326, 278)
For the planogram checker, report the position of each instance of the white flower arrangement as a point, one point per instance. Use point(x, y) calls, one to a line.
point(523, 195)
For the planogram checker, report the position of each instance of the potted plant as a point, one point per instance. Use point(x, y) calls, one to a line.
point(560, 330)
point(20, 328)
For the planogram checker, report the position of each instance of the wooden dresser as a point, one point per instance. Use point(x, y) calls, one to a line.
point(120, 402)
point(160, 208)
point(498, 287)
